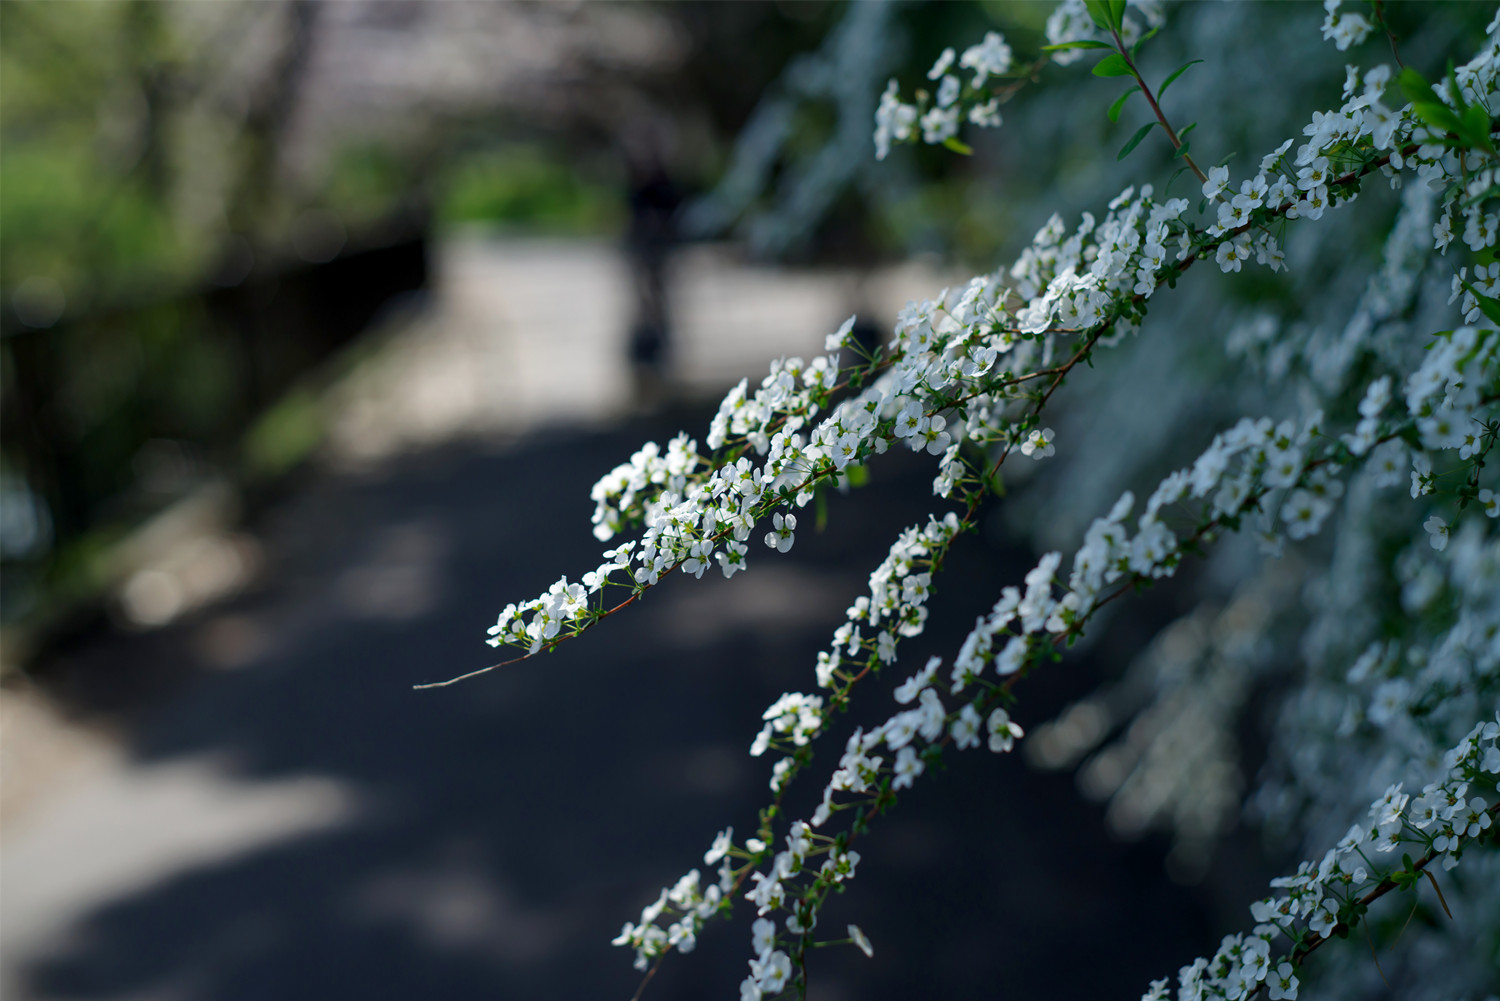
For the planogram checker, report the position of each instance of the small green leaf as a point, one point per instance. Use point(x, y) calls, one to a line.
point(957, 146)
point(1437, 115)
point(1135, 140)
point(1475, 127)
point(1181, 151)
point(1119, 105)
point(1489, 305)
point(1454, 91)
point(1136, 48)
point(1425, 102)
point(1177, 73)
point(1190, 126)
point(1082, 43)
point(858, 475)
point(1487, 193)
point(1416, 88)
point(1113, 64)
point(1117, 14)
point(1098, 13)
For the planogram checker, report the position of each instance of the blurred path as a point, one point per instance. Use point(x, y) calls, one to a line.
point(287, 819)
point(526, 333)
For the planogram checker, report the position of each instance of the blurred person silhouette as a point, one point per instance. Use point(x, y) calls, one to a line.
point(654, 200)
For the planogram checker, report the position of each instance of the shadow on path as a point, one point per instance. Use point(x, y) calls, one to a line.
point(504, 828)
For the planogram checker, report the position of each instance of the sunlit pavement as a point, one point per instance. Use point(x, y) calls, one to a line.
point(532, 333)
point(283, 817)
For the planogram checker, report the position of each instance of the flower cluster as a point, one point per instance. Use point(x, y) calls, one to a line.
point(688, 901)
point(1334, 891)
point(965, 379)
point(937, 116)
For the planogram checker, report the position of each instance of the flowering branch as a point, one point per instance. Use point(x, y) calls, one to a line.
point(967, 379)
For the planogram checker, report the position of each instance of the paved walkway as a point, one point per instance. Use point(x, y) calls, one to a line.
point(281, 817)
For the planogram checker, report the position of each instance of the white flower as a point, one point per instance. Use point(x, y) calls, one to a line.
point(840, 864)
point(901, 728)
point(772, 973)
point(732, 558)
point(1344, 30)
point(940, 67)
point(1003, 732)
point(841, 337)
point(939, 125)
point(948, 91)
point(935, 437)
point(780, 538)
point(1437, 532)
point(1038, 444)
point(1422, 480)
point(965, 729)
point(1283, 983)
point(1218, 180)
point(1324, 918)
point(914, 685)
point(991, 57)
point(722, 843)
point(908, 766)
point(893, 121)
point(763, 937)
point(1475, 820)
point(1233, 253)
point(986, 115)
point(858, 938)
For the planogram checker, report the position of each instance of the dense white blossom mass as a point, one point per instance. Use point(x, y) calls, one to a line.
point(966, 378)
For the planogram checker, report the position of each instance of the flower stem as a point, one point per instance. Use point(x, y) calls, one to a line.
point(1156, 108)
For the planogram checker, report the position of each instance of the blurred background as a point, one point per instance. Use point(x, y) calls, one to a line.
point(319, 319)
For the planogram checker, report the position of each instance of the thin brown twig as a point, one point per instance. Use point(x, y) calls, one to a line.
point(1176, 141)
point(1059, 372)
point(1385, 26)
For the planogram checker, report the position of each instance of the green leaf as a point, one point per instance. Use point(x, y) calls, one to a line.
point(1475, 127)
point(858, 475)
point(1136, 48)
point(1454, 91)
point(1135, 140)
point(1117, 14)
point(1487, 193)
point(1119, 105)
point(1113, 64)
point(1425, 102)
point(1182, 150)
point(1489, 305)
point(1437, 115)
point(953, 143)
point(1179, 71)
point(1416, 88)
point(1098, 13)
point(1082, 43)
point(1190, 126)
